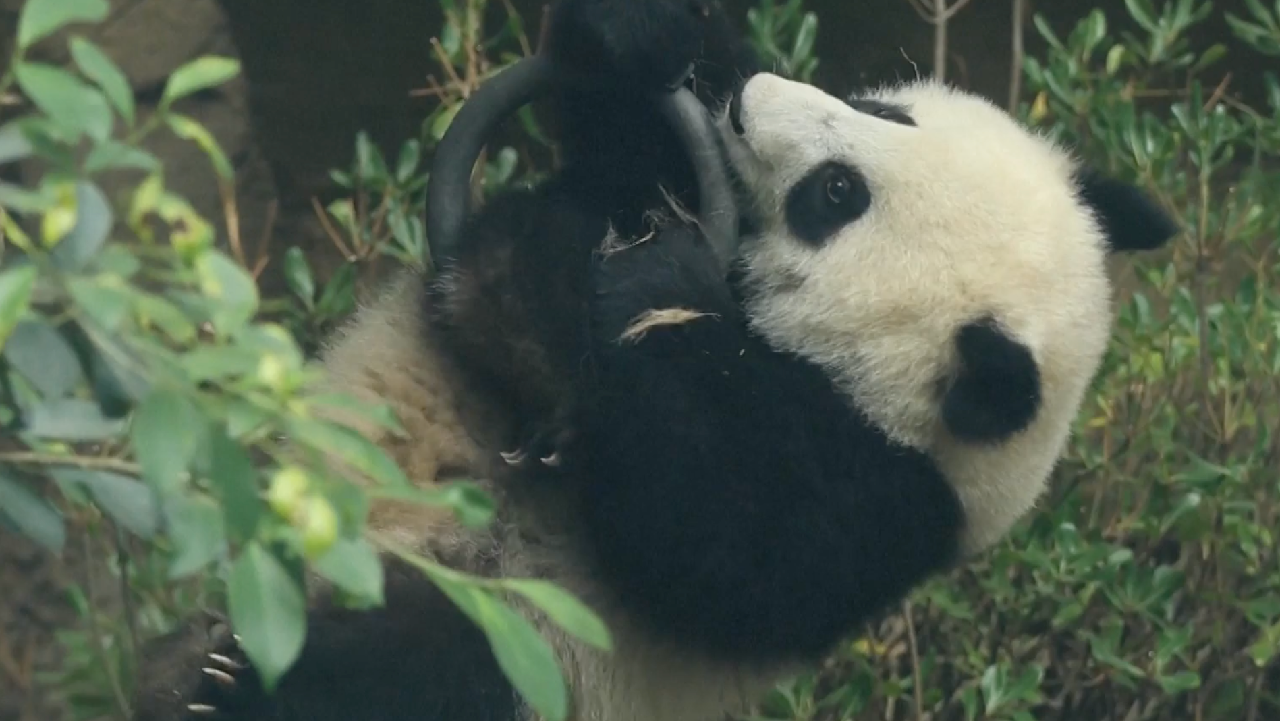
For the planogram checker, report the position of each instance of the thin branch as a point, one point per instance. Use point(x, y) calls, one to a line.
point(1018, 52)
point(951, 11)
point(26, 458)
point(117, 691)
point(917, 674)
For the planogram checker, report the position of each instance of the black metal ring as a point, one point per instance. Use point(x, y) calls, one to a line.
point(449, 188)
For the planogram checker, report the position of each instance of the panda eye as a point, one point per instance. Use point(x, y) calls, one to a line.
point(827, 199)
point(838, 189)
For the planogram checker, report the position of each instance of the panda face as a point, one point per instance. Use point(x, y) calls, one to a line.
point(887, 225)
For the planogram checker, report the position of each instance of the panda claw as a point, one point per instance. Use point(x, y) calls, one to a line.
point(513, 458)
point(201, 708)
point(222, 677)
point(552, 460)
point(225, 662)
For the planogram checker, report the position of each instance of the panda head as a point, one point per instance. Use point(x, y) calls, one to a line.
point(946, 266)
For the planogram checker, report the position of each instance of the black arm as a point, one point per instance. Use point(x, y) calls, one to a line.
point(732, 497)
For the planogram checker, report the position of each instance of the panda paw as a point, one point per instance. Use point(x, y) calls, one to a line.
point(226, 684)
point(650, 43)
point(196, 672)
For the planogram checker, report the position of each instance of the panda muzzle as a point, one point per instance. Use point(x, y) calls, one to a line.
point(449, 190)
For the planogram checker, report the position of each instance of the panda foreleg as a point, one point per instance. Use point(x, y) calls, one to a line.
point(732, 498)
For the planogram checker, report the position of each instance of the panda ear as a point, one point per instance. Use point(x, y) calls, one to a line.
point(1131, 219)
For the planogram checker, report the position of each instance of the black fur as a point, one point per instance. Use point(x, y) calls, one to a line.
point(732, 498)
point(997, 391)
point(418, 658)
point(512, 310)
point(1131, 219)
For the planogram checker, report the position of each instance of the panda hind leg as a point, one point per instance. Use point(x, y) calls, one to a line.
point(416, 658)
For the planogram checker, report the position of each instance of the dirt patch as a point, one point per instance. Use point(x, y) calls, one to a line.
point(34, 605)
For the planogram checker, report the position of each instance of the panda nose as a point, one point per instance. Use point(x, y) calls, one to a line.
point(735, 113)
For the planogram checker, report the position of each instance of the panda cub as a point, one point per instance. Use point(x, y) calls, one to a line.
point(760, 461)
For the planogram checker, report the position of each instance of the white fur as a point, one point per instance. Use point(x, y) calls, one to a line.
point(971, 214)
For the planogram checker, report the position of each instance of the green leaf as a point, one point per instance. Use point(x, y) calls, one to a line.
point(370, 165)
point(102, 298)
point(1142, 12)
point(98, 67)
point(118, 382)
point(805, 37)
point(110, 155)
point(353, 566)
point(41, 18)
point(410, 157)
point(1179, 682)
point(297, 273)
point(16, 286)
point(338, 295)
point(124, 499)
point(31, 514)
point(224, 279)
point(524, 656)
point(268, 611)
point(198, 534)
point(197, 75)
point(24, 200)
point(235, 483)
point(473, 507)
point(44, 357)
point(72, 420)
point(93, 224)
point(350, 447)
point(207, 362)
point(157, 311)
point(13, 144)
point(566, 611)
point(442, 122)
point(168, 430)
point(189, 129)
point(75, 107)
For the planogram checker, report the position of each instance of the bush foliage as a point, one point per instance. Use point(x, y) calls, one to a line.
point(146, 389)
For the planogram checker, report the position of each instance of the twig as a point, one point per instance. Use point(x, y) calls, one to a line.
point(545, 28)
point(122, 703)
point(917, 684)
point(1018, 51)
point(329, 230)
point(1218, 92)
point(939, 15)
point(26, 458)
point(264, 243)
point(126, 595)
point(228, 192)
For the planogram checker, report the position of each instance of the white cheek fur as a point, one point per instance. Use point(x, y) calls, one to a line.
point(878, 307)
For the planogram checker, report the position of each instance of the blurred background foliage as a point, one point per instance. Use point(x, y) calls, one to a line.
point(152, 354)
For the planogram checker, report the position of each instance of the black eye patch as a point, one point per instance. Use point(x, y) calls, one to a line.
point(884, 111)
point(830, 197)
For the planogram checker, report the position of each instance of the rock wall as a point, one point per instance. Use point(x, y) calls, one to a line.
point(148, 40)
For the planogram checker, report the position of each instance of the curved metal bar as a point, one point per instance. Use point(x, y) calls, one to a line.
point(449, 191)
point(718, 214)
